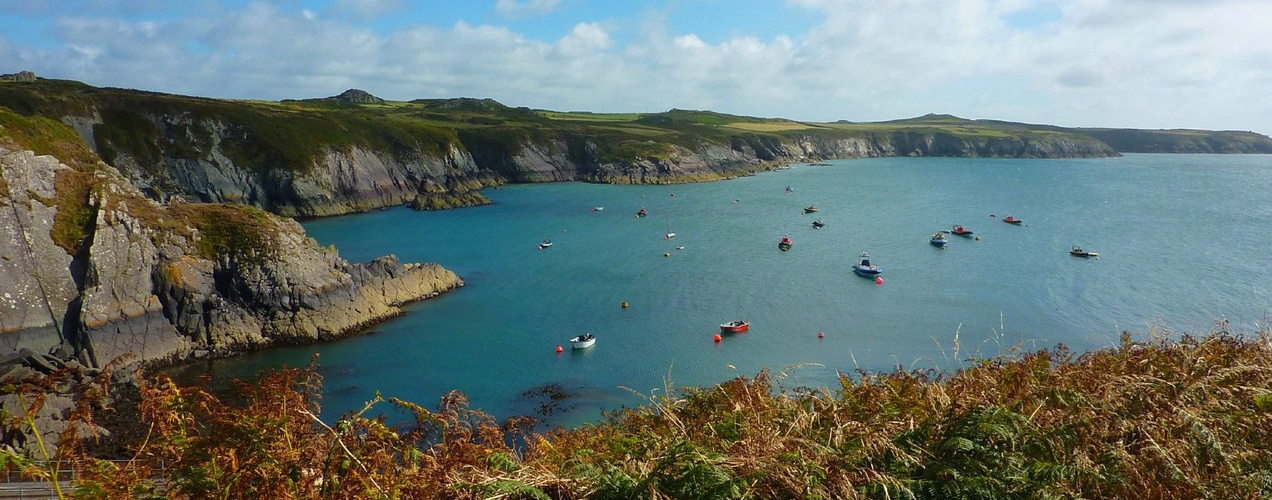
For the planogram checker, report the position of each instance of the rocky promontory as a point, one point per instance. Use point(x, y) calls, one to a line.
point(94, 270)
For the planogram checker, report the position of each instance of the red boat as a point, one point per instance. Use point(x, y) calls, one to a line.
point(734, 327)
point(1012, 220)
point(960, 230)
point(785, 244)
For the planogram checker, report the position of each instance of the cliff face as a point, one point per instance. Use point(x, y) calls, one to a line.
point(355, 152)
point(194, 158)
point(223, 157)
point(1183, 141)
point(940, 144)
point(168, 281)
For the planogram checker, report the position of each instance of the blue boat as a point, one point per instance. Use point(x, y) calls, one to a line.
point(865, 268)
point(938, 239)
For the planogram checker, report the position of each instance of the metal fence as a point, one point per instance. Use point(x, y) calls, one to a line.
point(14, 485)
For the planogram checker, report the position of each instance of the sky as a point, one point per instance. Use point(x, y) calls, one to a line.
point(1154, 64)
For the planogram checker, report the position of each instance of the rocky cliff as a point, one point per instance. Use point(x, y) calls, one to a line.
point(943, 144)
point(169, 281)
point(355, 152)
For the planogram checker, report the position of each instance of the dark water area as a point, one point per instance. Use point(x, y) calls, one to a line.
point(1183, 241)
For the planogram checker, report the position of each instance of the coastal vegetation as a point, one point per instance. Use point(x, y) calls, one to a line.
point(356, 152)
point(237, 230)
point(291, 134)
point(1171, 417)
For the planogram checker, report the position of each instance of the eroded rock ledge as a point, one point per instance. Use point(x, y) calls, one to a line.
point(92, 269)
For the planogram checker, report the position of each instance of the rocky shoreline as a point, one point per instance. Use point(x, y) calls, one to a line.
point(95, 273)
point(168, 281)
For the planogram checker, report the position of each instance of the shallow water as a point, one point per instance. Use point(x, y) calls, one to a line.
point(1183, 241)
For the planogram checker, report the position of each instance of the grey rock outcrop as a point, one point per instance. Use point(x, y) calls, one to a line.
point(358, 96)
point(21, 77)
point(36, 286)
point(341, 180)
point(140, 285)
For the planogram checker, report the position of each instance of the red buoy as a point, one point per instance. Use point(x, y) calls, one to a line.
point(559, 349)
point(717, 337)
point(879, 280)
point(821, 335)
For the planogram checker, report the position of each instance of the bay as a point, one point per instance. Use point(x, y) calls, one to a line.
point(1183, 242)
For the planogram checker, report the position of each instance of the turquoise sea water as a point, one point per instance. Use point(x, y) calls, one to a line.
point(1183, 241)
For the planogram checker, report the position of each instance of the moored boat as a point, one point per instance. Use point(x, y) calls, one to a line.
point(598, 209)
point(1077, 251)
point(810, 209)
point(583, 341)
point(938, 239)
point(641, 212)
point(960, 230)
point(1012, 220)
point(819, 224)
point(785, 243)
point(864, 267)
point(545, 244)
point(734, 326)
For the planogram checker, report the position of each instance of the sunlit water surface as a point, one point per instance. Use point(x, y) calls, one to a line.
point(1183, 240)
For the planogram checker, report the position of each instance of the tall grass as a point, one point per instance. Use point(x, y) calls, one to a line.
point(1182, 418)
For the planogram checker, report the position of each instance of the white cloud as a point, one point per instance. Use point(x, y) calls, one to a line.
point(1086, 63)
point(514, 9)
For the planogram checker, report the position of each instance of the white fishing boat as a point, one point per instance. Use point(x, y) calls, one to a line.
point(583, 341)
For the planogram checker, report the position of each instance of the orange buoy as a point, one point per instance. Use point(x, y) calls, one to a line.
point(717, 337)
point(559, 349)
point(821, 335)
point(879, 280)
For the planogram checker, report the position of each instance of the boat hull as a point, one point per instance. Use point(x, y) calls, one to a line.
point(938, 243)
point(783, 246)
point(735, 327)
point(866, 271)
point(580, 343)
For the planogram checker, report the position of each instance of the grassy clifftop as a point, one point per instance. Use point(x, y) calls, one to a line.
point(290, 133)
point(336, 155)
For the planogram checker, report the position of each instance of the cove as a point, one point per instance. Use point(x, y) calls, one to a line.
point(1183, 242)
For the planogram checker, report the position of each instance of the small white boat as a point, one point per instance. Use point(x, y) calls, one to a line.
point(583, 341)
point(598, 209)
point(545, 244)
point(670, 233)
